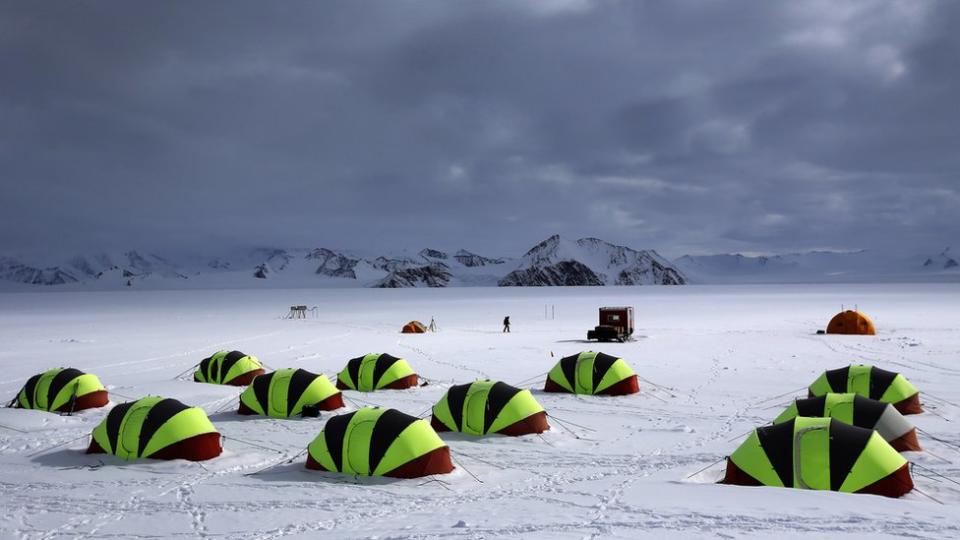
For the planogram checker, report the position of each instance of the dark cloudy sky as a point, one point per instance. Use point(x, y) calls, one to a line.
point(685, 126)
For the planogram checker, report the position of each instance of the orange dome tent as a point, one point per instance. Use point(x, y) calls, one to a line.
point(413, 327)
point(851, 322)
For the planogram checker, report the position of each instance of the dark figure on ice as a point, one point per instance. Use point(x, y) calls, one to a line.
point(506, 324)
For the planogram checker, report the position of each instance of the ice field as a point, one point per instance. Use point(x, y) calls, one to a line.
point(710, 359)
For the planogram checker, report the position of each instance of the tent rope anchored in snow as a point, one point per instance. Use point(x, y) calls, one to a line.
point(376, 371)
point(379, 442)
point(484, 407)
point(290, 392)
point(62, 390)
point(592, 373)
point(157, 428)
point(871, 382)
point(232, 368)
point(822, 454)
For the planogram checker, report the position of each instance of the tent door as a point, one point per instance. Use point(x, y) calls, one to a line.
point(365, 374)
point(276, 398)
point(129, 439)
point(811, 462)
point(584, 377)
point(475, 409)
point(859, 383)
point(357, 447)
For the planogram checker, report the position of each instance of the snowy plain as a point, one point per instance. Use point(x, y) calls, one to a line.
point(710, 359)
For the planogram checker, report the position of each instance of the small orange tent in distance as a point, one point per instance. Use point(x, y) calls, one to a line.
point(851, 322)
point(413, 327)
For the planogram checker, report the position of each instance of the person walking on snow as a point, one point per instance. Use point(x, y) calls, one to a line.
point(506, 324)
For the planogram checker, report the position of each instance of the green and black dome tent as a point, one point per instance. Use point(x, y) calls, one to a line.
point(233, 368)
point(819, 453)
point(157, 428)
point(62, 390)
point(376, 371)
point(290, 392)
point(871, 382)
point(379, 442)
point(483, 407)
point(861, 412)
point(592, 373)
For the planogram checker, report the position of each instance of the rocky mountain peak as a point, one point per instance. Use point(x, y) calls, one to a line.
point(433, 254)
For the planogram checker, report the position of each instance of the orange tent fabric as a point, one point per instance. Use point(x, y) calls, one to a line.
point(413, 327)
point(851, 322)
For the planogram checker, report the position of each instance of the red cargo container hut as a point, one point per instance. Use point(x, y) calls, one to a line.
point(616, 323)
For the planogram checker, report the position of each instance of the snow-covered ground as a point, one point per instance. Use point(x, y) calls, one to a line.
point(718, 353)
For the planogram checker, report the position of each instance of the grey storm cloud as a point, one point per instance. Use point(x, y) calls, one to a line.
point(685, 126)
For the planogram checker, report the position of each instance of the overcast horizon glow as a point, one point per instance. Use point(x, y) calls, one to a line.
point(681, 126)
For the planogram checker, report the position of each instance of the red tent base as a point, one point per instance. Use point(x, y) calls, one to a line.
point(245, 379)
point(198, 448)
point(907, 443)
point(535, 423)
point(331, 403)
point(622, 388)
point(86, 401)
point(911, 405)
point(736, 477)
point(410, 381)
point(433, 462)
point(895, 484)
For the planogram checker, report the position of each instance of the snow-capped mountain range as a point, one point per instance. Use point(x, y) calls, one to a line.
point(115, 268)
point(590, 261)
point(553, 262)
point(819, 267)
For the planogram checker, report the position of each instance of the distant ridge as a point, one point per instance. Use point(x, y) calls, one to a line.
point(555, 261)
point(819, 267)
